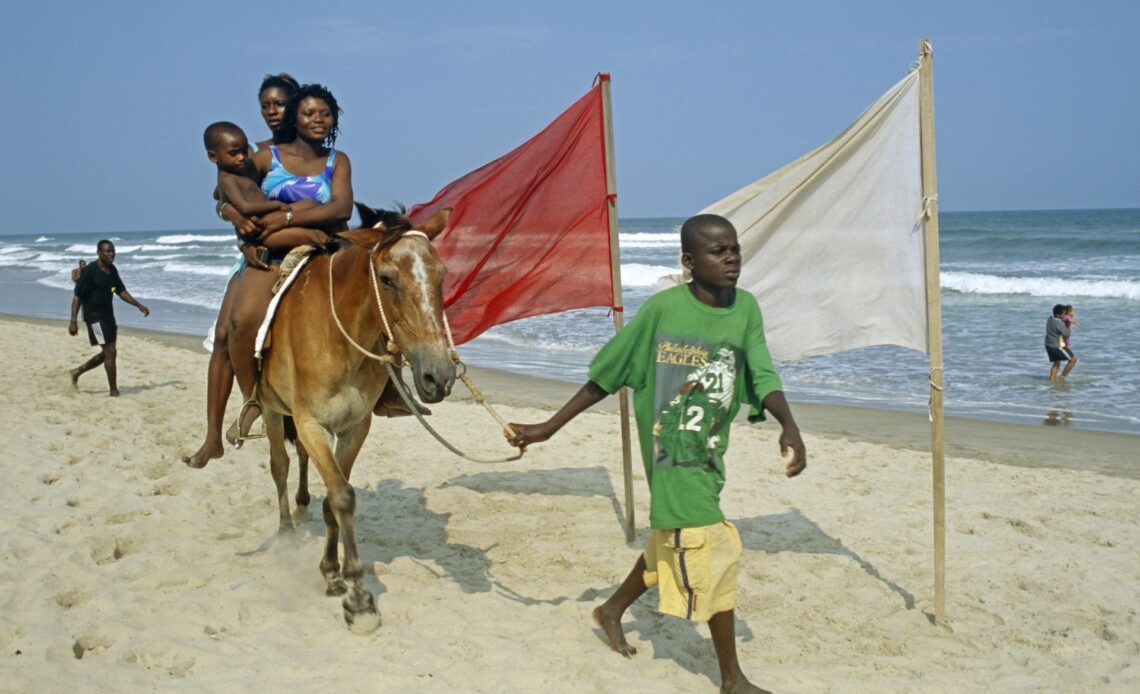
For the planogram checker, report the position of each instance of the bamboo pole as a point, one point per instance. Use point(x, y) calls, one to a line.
point(933, 318)
point(615, 267)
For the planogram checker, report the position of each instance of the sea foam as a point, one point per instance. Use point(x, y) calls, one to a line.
point(973, 283)
point(192, 238)
point(642, 275)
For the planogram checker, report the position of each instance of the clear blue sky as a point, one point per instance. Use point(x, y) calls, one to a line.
point(1037, 104)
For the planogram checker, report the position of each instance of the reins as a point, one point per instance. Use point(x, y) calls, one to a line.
point(393, 355)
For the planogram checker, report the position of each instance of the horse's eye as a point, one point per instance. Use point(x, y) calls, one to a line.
point(388, 281)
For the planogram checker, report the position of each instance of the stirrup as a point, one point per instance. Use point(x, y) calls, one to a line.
point(250, 411)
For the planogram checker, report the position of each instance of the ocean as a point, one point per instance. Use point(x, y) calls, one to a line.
point(1001, 274)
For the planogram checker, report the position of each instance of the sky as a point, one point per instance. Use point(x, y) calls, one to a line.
point(1036, 103)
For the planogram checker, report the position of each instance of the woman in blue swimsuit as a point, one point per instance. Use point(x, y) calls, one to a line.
point(305, 168)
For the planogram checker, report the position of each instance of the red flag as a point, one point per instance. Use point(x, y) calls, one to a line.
point(529, 232)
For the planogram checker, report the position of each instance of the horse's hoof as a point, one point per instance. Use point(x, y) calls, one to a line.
point(360, 612)
point(336, 586)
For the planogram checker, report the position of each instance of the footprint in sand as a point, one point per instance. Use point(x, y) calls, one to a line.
point(107, 551)
point(91, 644)
point(153, 657)
point(71, 598)
point(166, 490)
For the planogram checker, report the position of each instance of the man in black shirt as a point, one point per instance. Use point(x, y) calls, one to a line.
point(97, 284)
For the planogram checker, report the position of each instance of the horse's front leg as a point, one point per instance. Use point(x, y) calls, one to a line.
point(359, 606)
point(330, 564)
point(318, 442)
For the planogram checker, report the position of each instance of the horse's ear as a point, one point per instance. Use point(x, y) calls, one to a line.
point(435, 223)
point(369, 217)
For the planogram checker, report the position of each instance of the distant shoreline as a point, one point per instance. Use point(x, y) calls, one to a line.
point(1023, 445)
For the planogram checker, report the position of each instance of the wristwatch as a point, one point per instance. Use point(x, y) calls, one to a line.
point(289, 217)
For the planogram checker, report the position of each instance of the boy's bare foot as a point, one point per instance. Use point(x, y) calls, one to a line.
point(74, 374)
point(205, 454)
point(114, 392)
point(611, 627)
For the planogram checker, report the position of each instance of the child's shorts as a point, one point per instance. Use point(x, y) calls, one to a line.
point(1056, 355)
point(694, 569)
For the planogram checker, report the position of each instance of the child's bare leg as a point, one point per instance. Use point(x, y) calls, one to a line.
point(291, 237)
point(608, 614)
point(1069, 366)
point(1053, 371)
point(722, 626)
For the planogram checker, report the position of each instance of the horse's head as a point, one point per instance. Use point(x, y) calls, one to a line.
point(410, 276)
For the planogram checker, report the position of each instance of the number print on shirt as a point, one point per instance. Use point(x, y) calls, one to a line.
point(695, 415)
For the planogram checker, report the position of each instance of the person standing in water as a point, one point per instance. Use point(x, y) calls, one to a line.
point(1055, 332)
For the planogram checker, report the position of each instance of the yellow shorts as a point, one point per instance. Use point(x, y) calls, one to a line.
point(694, 569)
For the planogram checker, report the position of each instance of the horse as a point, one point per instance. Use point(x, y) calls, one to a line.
point(380, 293)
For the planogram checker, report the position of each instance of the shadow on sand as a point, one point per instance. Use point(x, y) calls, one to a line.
point(393, 521)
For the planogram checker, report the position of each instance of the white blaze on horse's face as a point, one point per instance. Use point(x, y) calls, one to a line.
point(418, 292)
point(412, 285)
point(420, 275)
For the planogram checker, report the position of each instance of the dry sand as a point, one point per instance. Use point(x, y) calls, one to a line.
point(123, 570)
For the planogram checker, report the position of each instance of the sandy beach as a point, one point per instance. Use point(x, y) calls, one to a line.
point(123, 570)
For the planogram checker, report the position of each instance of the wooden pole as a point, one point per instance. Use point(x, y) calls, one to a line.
point(933, 318)
point(615, 265)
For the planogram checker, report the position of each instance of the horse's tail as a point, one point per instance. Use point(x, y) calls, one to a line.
point(290, 431)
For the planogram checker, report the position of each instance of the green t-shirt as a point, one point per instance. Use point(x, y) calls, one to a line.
point(682, 358)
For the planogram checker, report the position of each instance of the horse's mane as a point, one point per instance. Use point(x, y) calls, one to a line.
point(378, 228)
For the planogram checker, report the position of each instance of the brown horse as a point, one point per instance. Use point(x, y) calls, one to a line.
point(314, 374)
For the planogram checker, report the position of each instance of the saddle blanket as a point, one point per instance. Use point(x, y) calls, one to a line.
point(290, 268)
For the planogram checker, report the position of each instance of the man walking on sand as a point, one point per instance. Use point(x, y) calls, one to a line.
point(97, 284)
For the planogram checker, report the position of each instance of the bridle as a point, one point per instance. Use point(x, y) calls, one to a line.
point(394, 355)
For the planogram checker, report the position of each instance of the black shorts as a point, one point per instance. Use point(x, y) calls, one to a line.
point(1056, 355)
point(102, 332)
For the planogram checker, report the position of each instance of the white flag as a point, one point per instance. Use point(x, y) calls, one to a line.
point(833, 243)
